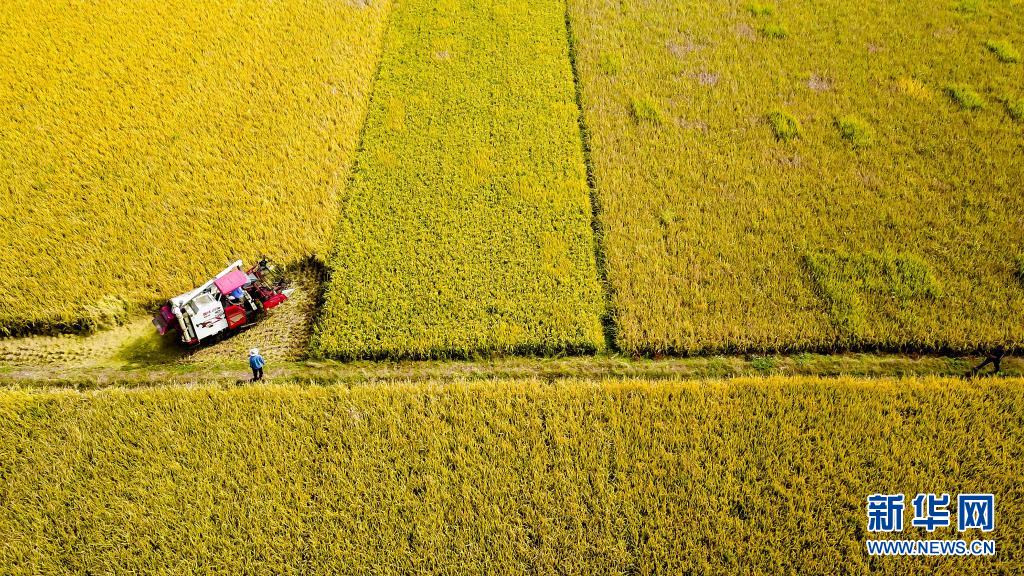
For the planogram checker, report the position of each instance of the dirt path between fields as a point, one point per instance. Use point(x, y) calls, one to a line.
point(234, 371)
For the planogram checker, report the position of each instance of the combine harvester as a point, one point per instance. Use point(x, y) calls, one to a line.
point(230, 302)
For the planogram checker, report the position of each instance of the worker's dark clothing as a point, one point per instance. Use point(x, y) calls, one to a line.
point(995, 358)
point(256, 363)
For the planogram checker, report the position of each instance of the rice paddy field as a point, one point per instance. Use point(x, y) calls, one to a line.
point(759, 476)
point(761, 177)
point(535, 219)
point(467, 227)
point(807, 175)
point(145, 145)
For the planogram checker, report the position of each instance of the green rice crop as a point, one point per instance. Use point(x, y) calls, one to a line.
point(1016, 109)
point(751, 204)
point(1003, 50)
point(965, 97)
point(646, 110)
point(468, 225)
point(855, 131)
point(774, 31)
point(752, 476)
point(898, 288)
point(784, 125)
point(759, 9)
point(969, 7)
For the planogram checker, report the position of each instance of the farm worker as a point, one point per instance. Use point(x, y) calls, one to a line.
point(256, 362)
point(994, 358)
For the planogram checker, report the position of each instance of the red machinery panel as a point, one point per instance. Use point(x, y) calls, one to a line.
point(274, 301)
point(235, 316)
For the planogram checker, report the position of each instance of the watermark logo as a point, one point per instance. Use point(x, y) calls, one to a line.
point(930, 511)
point(885, 513)
point(976, 511)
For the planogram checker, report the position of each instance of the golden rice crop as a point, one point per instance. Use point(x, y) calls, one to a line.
point(809, 160)
point(467, 227)
point(144, 145)
point(510, 477)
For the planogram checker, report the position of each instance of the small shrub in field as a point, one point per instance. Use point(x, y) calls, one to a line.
point(1019, 268)
point(784, 125)
point(610, 63)
point(966, 6)
point(645, 109)
point(774, 31)
point(855, 131)
point(667, 217)
point(914, 88)
point(1016, 109)
point(965, 97)
point(759, 9)
point(1003, 50)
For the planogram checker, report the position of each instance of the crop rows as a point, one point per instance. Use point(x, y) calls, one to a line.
point(798, 175)
point(769, 176)
point(144, 145)
point(467, 227)
point(510, 477)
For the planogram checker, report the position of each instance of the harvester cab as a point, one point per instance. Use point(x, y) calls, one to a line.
point(231, 301)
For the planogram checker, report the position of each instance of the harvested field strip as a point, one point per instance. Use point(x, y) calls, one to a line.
point(765, 171)
point(573, 477)
point(467, 228)
point(142, 146)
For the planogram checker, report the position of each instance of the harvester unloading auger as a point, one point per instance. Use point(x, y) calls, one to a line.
point(231, 301)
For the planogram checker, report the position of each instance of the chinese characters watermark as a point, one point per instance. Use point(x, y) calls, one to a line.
point(885, 513)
